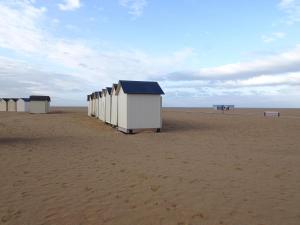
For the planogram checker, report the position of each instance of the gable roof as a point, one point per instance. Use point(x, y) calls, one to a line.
point(24, 99)
point(13, 99)
point(108, 90)
point(140, 87)
point(39, 98)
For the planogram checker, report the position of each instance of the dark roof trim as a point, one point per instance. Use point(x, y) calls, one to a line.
point(39, 98)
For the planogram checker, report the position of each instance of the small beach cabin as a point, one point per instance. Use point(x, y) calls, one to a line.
point(93, 104)
point(3, 104)
point(100, 106)
point(108, 105)
point(89, 104)
point(23, 105)
point(139, 105)
point(103, 105)
point(97, 104)
point(39, 104)
point(12, 105)
point(114, 106)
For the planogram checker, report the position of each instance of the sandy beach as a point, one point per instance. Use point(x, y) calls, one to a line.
point(205, 167)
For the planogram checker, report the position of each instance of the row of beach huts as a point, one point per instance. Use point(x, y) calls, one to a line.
point(128, 105)
point(33, 104)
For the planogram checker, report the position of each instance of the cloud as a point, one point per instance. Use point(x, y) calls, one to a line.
point(135, 7)
point(285, 62)
point(292, 9)
point(20, 79)
point(273, 37)
point(69, 5)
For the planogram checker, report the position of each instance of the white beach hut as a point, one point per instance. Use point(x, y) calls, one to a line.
point(103, 105)
point(100, 106)
point(108, 105)
point(12, 105)
point(93, 104)
point(39, 104)
point(23, 105)
point(3, 104)
point(89, 104)
point(97, 104)
point(114, 106)
point(139, 105)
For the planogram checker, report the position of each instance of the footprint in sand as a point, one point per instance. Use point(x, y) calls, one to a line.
point(193, 181)
point(198, 215)
point(154, 188)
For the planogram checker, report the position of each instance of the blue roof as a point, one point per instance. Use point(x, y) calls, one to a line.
point(39, 98)
point(26, 99)
point(141, 87)
point(108, 90)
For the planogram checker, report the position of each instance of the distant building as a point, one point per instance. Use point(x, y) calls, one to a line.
point(23, 105)
point(139, 105)
point(3, 104)
point(39, 104)
point(114, 105)
point(12, 105)
point(97, 104)
point(89, 103)
point(103, 105)
point(108, 105)
point(100, 108)
point(223, 107)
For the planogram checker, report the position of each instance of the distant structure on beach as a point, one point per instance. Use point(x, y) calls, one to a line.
point(33, 104)
point(223, 107)
point(3, 104)
point(271, 114)
point(23, 105)
point(12, 105)
point(128, 105)
point(39, 104)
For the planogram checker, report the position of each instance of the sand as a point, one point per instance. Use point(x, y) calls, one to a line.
point(205, 168)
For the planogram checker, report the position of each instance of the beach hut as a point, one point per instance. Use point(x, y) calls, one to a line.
point(93, 104)
point(89, 103)
point(3, 104)
point(103, 105)
point(114, 106)
point(12, 105)
point(108, 105)
point(23, 105)
point(139, 105)
point(100, 106)
point(97, 104)
point(39, 104)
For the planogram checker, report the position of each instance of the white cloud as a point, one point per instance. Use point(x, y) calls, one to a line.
point(292, 10)
point(273, 37)
point(135, 7)
point(69, 5)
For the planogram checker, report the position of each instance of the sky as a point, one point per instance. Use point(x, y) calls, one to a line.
point(202, 52)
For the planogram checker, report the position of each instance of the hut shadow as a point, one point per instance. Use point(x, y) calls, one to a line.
point(59, 112)
point(26, 140)
point(175, 125)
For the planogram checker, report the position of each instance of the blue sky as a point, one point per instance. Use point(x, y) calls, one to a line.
point(201, 52)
